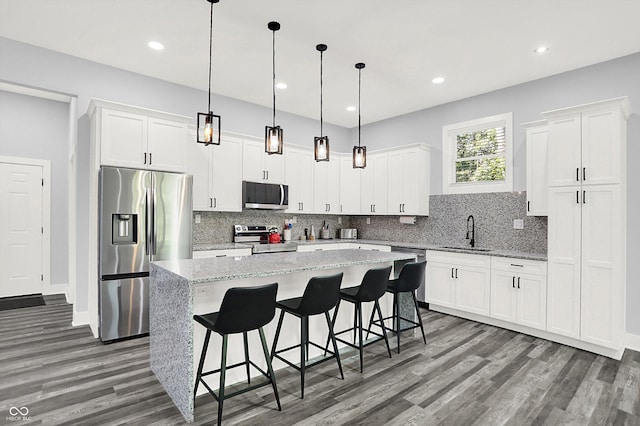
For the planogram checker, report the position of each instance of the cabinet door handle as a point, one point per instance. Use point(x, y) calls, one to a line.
point(145, 158)
point(215, 202)
point(584, 173)
point(584, 197)
point(374, 208)
point(451, 272)
point(577, 174)
point(267, 174)
point(150, 158)
point(577, 197)
point(513, 282)
point(518, 282)
point(210, 202)
point(456, 273)
point(528, 206)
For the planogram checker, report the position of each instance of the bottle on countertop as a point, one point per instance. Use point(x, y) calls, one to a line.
point(313, 233)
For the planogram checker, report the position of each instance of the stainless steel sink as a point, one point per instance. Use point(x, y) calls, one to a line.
point(466, 248)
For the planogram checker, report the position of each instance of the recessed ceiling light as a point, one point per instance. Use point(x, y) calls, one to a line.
point(155, 45)
point(281, 85)
point(438, 80)
point(541, 49)
point(351, 108)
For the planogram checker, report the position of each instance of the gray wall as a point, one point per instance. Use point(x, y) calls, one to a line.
point(28, 65)
point(606, 80)
point(38, 128)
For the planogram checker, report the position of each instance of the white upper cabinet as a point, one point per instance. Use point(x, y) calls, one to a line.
point(408, 183)
point(258, 166)
point(139, 138)
point(537, 170)
point(373, 184)
point(326, 184)
point(217, 179)
point(585, 143)
point(299, 177)
point(349, 186)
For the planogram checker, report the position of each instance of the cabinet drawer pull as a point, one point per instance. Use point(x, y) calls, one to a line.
point(519, 266)
point(221, 255)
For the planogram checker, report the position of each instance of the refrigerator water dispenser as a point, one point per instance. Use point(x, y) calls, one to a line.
point(124, 228)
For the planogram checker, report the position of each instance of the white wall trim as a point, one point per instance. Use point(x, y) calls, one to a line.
point(55, 289)
point(81, 318)
point(46, 214)
point(34, 91)
point(632, 341)
point(72, 188)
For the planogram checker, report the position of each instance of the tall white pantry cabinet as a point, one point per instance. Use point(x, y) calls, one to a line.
point(587, 222)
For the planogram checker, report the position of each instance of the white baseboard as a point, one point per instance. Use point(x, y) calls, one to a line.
point(80, 318)
point(632, 341)
point(49, 289)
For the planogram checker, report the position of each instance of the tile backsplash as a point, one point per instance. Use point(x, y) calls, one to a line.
point(446, 224)
point(494, 214)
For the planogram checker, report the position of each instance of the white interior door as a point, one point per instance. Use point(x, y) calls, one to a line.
point(21, 228)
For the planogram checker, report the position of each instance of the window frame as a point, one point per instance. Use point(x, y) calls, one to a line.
point(449, 155)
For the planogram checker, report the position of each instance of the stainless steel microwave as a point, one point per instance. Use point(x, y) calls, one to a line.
point(266, 196)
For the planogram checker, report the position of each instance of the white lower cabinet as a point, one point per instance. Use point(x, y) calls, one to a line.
point(460, 281)
point(207, 254)
point(519, 291)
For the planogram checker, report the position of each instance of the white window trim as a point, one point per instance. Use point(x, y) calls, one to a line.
point(449, 132)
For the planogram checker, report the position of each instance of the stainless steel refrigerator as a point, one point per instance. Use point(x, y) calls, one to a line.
point(144, 216)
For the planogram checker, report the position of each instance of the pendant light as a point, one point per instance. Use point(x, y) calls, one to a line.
point(359, 152)
point(209, 123)
point(321, 144)
point(273, 134)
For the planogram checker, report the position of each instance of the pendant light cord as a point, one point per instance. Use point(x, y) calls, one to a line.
point(321, 120)
point(274, 77)
point(359, 90)
point(210, 53)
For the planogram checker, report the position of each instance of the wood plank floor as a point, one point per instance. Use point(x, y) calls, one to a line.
point(467, 374)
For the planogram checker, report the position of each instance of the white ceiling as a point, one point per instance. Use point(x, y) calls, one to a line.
point(478, 46)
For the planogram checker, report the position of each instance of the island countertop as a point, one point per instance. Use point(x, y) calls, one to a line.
point(233, 268)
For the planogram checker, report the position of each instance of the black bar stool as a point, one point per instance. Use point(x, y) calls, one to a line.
point(373, 287)
point(410, 278)
point(320, 296)
point(243, 309)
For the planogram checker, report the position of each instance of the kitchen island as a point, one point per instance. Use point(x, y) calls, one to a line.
point(181, 288)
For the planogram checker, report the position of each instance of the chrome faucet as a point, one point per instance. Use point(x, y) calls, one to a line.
point(473, 230)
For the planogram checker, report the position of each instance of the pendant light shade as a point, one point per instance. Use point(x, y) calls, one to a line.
point(321, 143)
point(208, 122)
point(359, 152)
point(273, 135)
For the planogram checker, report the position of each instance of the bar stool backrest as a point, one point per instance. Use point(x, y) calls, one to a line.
point(411, 276)
point(320, 295)
point(246, 308)
point(374, 284)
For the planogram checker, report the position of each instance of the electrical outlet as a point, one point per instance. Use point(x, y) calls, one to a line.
point(198, 218)
point(339, 220)
point(518, 224)
point(294, 219)
point(368, 221)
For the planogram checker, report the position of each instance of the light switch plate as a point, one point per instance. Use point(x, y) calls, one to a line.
point(339, 220)
point(198, 218)
point(368, 221)
point(518, 224)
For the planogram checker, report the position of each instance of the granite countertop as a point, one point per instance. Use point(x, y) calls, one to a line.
point(424, 246)
point(220, 246)
point(233, 268)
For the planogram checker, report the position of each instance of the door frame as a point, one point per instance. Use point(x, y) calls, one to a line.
point(46, 288)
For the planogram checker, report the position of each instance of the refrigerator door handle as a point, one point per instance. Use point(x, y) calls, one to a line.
point(147, 224)
point(154, 240)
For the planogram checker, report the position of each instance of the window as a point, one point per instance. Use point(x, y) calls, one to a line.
point(477, 155)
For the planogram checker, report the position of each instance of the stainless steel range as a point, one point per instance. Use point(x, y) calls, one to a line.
point(258, 237)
